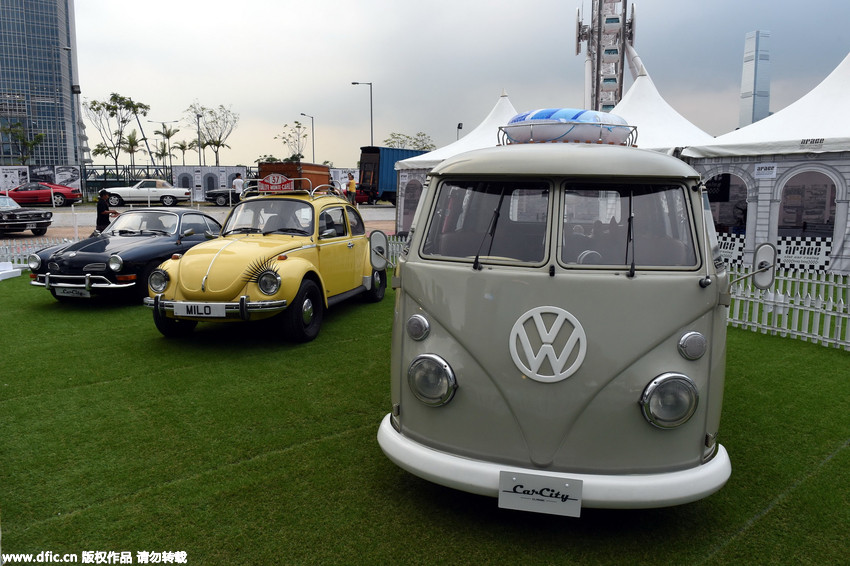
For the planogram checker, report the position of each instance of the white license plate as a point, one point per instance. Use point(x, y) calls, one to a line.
point(71, 292)
point(540, 494)
point(201, 310)
point(31, 226)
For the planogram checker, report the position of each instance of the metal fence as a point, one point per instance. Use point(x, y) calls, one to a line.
point(16, 251)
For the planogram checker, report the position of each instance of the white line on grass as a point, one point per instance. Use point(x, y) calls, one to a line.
point(776, 500)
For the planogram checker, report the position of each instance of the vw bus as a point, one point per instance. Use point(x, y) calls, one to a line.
point(559, 329)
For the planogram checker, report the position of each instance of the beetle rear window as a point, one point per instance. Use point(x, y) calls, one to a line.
point(494, 221)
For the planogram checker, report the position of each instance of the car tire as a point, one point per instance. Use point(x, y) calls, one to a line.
point(168, 200)
point(379, 287)
point(115, 200)
point(39, 231)
point(303, 318)
point(172, 327)
point(59, 199)
point(221, 200)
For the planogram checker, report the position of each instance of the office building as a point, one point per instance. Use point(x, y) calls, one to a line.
point(39, 86)
point(755, 79)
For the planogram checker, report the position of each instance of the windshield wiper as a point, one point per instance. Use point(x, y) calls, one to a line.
point(491, 231)
point(245, 230)
point(630, 242)
point(288, 231)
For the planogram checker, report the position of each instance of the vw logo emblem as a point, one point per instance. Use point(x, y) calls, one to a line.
point(548, 344)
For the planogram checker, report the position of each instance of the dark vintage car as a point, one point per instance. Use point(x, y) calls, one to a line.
point(222, 197)
point(44, 193)
point(13, 218)
point(123, 255)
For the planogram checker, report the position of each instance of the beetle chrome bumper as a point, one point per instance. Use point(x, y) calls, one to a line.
point(87, 282)
point(633, 491)
point(237, 310)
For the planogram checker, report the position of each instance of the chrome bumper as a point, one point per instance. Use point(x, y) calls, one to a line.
point(241, 309)
point(87, 282)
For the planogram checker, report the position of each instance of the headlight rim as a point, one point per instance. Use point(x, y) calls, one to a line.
point(448, 375)
point(275, 280)
point(34, 259)
point(115, 263)
point(165, 280)
point(655, 387)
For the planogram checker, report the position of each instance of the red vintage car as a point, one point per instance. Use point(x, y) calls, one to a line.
point(44, 193)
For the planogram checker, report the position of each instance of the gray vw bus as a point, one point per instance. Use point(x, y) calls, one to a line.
point(559, 330)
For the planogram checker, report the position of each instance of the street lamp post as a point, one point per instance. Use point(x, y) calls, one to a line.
point(459, 128)
point(312, 134)
point(199, 116)
point(371, 116)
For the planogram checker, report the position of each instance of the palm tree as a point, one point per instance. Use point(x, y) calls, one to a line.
point(167, 133)
point(162, 151)
point(183, 147)
point(132, 144)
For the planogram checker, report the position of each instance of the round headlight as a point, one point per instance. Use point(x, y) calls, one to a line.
point(268, 282)
point(115, 262)
point(669, 400)
point(432, 380)
point(158, 281)
point(418, 327)
point(33, 262)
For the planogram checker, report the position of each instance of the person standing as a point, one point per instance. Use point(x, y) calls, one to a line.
point(237, 185)
point(352, 190)
point(104, 214)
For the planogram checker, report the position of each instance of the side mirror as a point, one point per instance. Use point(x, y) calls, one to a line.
point(764, 266)
point(189, 232)
point(380, 245)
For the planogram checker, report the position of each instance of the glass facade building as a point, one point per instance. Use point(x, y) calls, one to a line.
point(39, 88)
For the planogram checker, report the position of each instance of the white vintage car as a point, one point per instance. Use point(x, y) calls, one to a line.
point(148, 191)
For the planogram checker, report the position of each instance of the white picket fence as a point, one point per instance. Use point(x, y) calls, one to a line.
point(810, 306)
point(16, 251)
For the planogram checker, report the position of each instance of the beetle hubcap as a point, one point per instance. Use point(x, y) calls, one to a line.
point(307, 311)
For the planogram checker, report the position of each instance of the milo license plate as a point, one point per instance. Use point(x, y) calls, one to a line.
point(201, 310)
point(540, 493)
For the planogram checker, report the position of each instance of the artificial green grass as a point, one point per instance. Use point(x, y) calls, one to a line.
point(239, 448)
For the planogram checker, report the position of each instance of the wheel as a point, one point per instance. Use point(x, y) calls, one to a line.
point(590, 257)
point(303, 318)
point(168, 200)
point(221, 200)
point(115, 200)
point(379, 287)
point(172, 327)
point(59, 199)
point(39, 231)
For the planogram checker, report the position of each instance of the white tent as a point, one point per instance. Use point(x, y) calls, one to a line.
point(484, 135)
point(659, 126)
point(819, 122)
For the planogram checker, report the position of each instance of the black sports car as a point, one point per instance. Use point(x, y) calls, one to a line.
point(123, 255)
point(13, 218)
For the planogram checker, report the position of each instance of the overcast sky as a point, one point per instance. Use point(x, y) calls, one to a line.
point(433, 63)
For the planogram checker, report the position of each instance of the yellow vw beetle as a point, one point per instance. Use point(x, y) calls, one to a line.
point(290, 253)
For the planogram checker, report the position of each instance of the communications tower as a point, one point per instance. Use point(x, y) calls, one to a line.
point(605, 38)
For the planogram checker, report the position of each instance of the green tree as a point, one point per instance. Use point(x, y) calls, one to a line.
point(163, 151)
point(421, 141)
point(131, 145)
point(183, 147)
point(267, 159)
point(216, 125)
point(166, 133)
point(110, 118)
point(295, 138)
point(21, 143)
